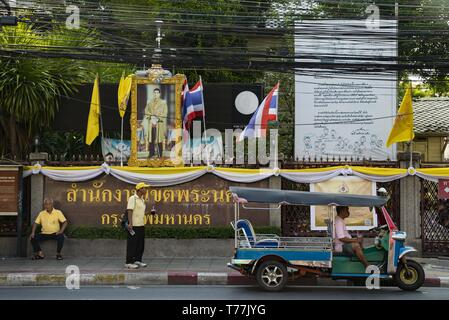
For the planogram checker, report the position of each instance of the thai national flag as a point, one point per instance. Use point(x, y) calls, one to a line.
point(193, 104)
point(267, 111)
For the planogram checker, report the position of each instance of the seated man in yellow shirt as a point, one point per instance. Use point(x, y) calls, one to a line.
point(50, 219)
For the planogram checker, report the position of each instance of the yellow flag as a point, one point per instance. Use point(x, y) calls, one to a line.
point(124, 89)
point(93, 122)
point(403, 124)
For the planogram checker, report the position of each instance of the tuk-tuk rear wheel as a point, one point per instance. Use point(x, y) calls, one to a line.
point(272, 275)
point(411, 279)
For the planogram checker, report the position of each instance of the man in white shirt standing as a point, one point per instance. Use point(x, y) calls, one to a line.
point(343, 241)
point(136, 216)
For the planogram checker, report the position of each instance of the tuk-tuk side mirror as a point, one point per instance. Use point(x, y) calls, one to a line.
point(382, 192)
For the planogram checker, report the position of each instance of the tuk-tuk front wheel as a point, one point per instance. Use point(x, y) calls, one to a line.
point(272, 275)
point(410, 278)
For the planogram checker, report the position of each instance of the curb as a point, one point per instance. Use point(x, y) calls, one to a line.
point(173, 278)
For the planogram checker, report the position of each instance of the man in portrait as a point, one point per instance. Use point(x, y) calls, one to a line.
point(155, 122)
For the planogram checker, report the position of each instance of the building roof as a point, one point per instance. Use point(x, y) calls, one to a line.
point(431, 116)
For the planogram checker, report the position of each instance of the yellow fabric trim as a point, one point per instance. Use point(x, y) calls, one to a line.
point(365, 170)
point(434, 171)
point(375, 171)
point(244, 171)
point(167, 170)
point(69, 168)
point(325, 169)
point(379, 171)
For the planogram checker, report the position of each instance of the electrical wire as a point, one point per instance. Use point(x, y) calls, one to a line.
point(200, 23)
point(115, 109)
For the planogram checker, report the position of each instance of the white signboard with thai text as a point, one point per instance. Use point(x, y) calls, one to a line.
point(343, 110)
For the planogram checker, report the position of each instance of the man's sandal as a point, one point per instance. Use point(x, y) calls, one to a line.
point(59, 257)
point(37, 257)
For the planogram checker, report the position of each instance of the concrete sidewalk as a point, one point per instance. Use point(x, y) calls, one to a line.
point(163, 271)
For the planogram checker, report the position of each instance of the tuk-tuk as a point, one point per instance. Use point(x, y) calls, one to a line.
point(271, 258)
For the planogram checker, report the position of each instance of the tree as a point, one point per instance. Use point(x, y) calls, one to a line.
point(31, 87)
point(286, 111)
point(423, 42)
point(200, 30)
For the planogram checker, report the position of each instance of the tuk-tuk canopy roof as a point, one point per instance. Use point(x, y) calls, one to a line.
point(304, 198)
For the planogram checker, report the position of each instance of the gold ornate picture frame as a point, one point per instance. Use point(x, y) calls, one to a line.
point(156, 123)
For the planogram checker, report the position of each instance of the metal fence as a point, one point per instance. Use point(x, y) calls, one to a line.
point(295, 220)
point(434, 235)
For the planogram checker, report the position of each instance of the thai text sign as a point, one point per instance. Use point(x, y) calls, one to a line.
point(205, 201)
point(360, 218)
point(9, 191)
point(344, 113)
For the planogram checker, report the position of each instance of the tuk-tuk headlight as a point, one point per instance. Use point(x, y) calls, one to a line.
point(399, 235)
point(376, 241)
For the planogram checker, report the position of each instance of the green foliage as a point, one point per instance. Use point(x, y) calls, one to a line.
point(179, 16)
point(423, 27)
point(72, 143)
point(65, 144)
point(352, 9)
point(30, 88)
point(218, 39)
point(286, 114)
point(84, 232)
point(429, 41)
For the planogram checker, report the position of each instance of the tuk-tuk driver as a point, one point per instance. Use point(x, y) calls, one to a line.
point(343, 241)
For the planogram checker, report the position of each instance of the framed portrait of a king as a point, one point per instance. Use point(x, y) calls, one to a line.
point(156, 125)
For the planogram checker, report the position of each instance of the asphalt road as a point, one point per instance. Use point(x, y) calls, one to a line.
point(209, 292)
